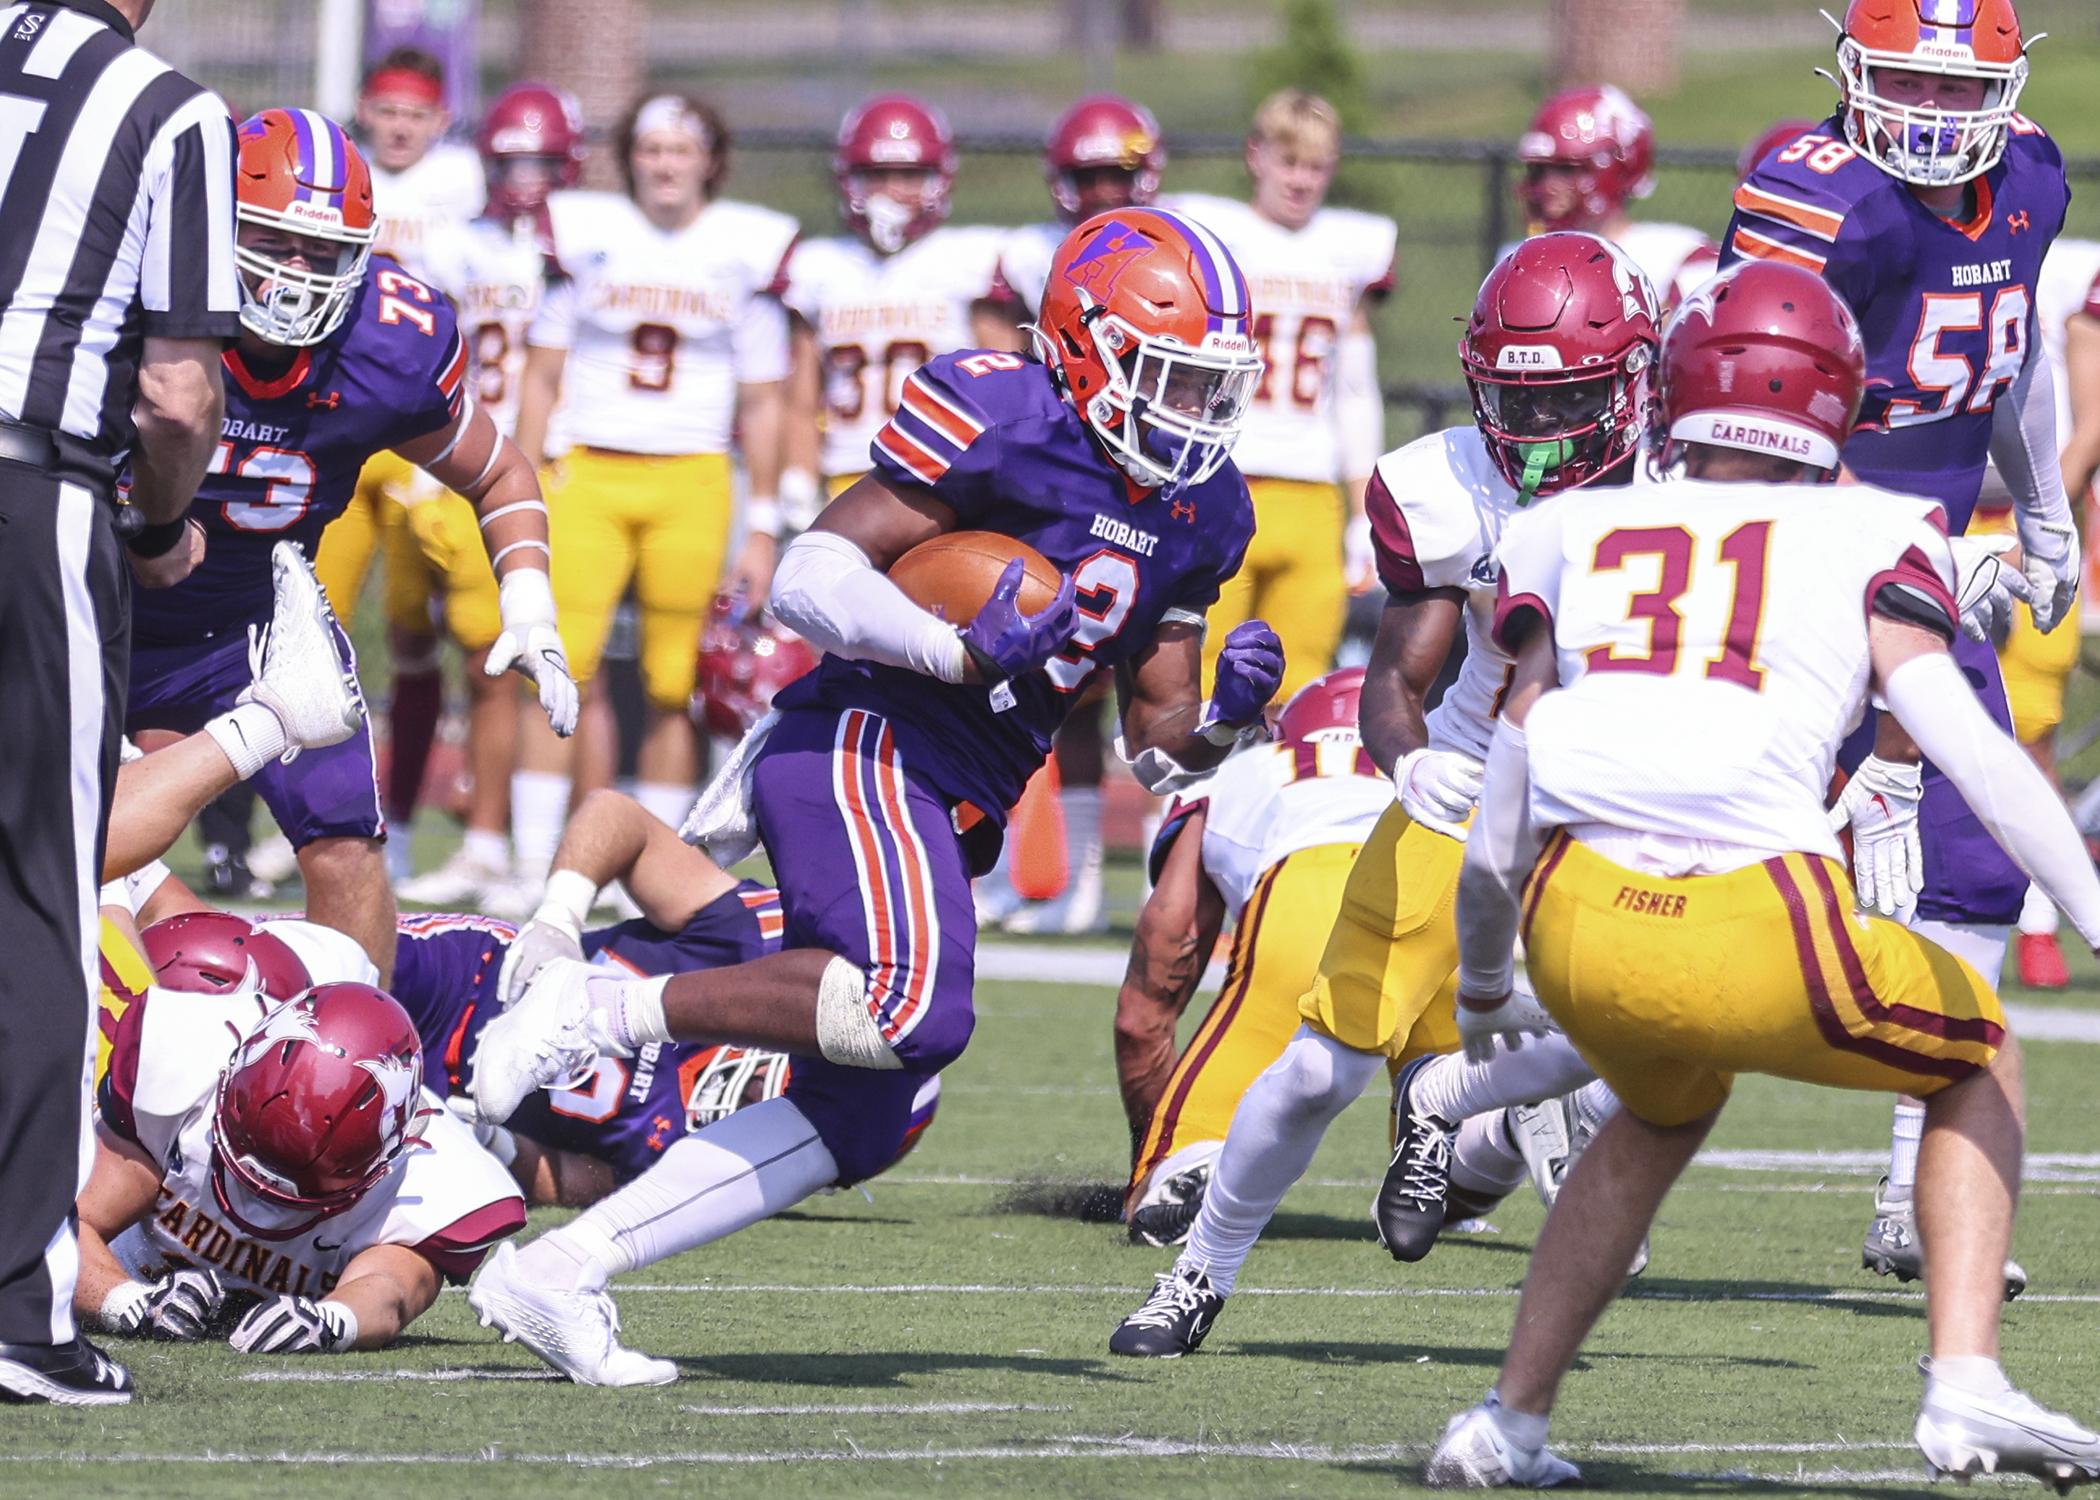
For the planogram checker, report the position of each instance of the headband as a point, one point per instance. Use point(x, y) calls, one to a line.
point(669, 112)
point(418, 86)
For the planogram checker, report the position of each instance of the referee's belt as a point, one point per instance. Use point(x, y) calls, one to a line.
point(37, 447)
point(58, 453)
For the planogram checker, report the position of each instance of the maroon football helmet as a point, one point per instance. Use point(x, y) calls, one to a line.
point(1328, 702)
point(888, 132)
point(1558, 355)
point(1764, 357)
point(316, 1105)
point(1103, 130)
point(1785, 132)
point(211, 952)
point(531, 143)
point(743, 663)
point(1599, 131)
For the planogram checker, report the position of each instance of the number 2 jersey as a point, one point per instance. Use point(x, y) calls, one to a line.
point(291, 445)
point(1947, 309)
point(989, 436)
point(1712, 642)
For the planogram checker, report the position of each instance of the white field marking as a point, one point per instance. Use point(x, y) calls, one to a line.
point(2043, 1166)
point(2050, 1023)
point(1047, 963)
point(936, 1408)
point(1635, 1294)
point(332, 1376)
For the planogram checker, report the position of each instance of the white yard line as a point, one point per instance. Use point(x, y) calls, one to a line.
point(329, 1377)
point(937, 1408)
point(967, 1289)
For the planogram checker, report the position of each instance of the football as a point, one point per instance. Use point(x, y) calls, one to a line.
point(953, 575)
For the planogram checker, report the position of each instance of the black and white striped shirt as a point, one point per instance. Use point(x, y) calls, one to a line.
point(116, 216)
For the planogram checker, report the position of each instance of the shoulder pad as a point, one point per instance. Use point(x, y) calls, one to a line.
point(1424, 505)
point(952, 400)
point(764, 239)
point(582, 222)
point(1368, 242)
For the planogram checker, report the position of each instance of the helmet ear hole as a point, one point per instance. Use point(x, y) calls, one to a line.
point(1072, 349)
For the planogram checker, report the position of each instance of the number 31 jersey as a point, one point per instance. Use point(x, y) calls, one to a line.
point(661, 327)
point(1712, 641)
point(1946, 308)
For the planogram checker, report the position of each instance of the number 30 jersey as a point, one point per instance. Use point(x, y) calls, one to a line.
point(661, 327)
point(1712, 641)
point(292, 443)
point(1947, 309)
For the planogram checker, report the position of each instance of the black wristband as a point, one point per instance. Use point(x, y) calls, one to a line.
point(149, 542)
point(988, 669)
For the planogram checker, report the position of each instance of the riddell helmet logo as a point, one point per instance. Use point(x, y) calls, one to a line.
point(1102, 260)
point(316, 212)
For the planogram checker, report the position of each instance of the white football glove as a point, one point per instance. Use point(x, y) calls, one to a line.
point(2049, 557)
point(179, 1307)
point(1437, 788)
point(1888, 861)
point(295, 1325)
point(1518, 1016)
point(532, 645)
point(1985, 587)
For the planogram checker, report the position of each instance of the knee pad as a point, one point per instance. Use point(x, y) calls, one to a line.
point(1323, 1076)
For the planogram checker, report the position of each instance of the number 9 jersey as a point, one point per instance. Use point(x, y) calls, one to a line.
point(661, 327)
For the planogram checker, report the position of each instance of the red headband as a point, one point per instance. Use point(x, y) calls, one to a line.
point(419, 86)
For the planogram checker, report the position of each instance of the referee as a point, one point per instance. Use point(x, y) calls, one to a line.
point(117, 292)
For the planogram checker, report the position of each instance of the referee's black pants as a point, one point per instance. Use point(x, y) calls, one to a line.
point(64, 641)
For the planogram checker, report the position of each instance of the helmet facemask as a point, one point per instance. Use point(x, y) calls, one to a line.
point(892, 222)
point(1927, 146)
point(294, 306)
point(1549, 433)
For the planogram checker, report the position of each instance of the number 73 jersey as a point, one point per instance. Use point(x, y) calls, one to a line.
point(1712, 642)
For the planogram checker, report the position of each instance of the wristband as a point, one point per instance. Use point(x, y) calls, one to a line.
point(123, 1300)
point(567, 901)
point(343, 1326)
point(762, 517)
point(149, 542)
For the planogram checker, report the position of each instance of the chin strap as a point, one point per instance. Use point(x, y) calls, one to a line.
point(1538, 458)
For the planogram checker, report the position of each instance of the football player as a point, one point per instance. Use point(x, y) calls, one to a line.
point(1318, 421)
point(420, 180)
point(278, 1166)
point(1691, 654)
point(871, 307)
point(667, 339)
point(496, 269)
point(339, 358)
point(1587, 153)
point(1927, 202)
point(882, 785)
point(1558, 354)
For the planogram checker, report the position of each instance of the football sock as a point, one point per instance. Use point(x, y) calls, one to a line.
point(1596, 1103)
point(669, 801)
point(1274, 1133)
point(1486, 1159)
point(1903, 1148)
point(488, 849)
point(1081, 806)
point(2037, 913)
point(251, 736)
point(1979, 944)
point(1545, 1067)
point(743, 1168)
point(539, 805)
point(1977, 1374)
point(1523, 1430)
point(419, 698)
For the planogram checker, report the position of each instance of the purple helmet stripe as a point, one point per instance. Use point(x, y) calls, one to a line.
point(1224, 287)
point(303, 128)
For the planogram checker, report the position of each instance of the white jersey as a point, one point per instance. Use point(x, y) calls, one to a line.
point(497, 279)
point(1267, 802)
point(1712, 641)
point(1437, 507)
point(445, 187)
point(661, 327)
point(1676, 258)
point(1024, 261)
point(446, 1197)
point(2070, 276)
point(1305, 286)
point(879, 317)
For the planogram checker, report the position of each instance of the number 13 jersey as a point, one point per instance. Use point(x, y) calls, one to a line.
point(661, 327)
point(1712, 641)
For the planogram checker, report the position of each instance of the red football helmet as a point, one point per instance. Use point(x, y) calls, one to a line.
point(1105, 130)
point(888, 132)
point(1323, 707)
point(299, 174)
point(1558, 355)
point(531, 143)
point(1931, 145)
point(212, 952)
point(1764, 357)
point(1145, 325)
point(743, 663)
point(1603, 135)
point(1774, 136)
point(315, 1106)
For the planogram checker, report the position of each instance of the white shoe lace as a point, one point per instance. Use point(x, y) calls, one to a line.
point(1426, 1159)
point(1174, 1296)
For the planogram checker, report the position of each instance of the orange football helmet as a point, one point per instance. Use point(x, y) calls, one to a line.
point(1930, 145)
point(299, 173)
point(1145, 325)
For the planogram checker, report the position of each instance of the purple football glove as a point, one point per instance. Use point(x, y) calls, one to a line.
point(1250, 669)
point(1006, 643)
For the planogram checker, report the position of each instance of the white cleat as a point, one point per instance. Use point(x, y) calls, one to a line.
point(460, 881)
point(1476, 1454)
point(543, 1039)
point(299, 675)
point(576, 1332)
point(1964, 1435)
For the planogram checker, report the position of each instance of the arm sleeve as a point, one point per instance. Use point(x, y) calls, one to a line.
point(942, 438)
point(2024, 447)
point(188, 287)
point(554, 325)
point(1919, 589)
point(1359, 409)
point(827, 592)
point(1500, 853)
point(1999, 781)
point(759, 343)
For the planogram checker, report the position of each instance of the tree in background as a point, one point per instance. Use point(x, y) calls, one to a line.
point(1317, 55)
point(593, 47)
point(1632, 43)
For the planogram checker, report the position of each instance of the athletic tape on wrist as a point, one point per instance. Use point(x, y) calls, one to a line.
point(567, 901)
point(123, 1300)
point(846, 1032)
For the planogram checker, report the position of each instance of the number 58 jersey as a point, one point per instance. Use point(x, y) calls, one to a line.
point(1712, 642)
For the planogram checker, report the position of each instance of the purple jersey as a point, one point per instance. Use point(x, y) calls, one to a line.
point(291, 448)
point(625, 1114)
point(989, 436)
point(1947, 308)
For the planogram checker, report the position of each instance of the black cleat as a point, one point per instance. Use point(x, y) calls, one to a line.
point(75, 1374)
point(1174, 1320)
point(1169, 1220)
point(1410, 1208)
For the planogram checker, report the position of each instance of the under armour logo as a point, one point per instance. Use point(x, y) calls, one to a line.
point(315, 401)
point(1182, 510)
point(2019, 222)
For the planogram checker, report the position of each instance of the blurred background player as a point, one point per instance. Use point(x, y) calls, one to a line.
point(496, 269)
point(1318, 421)
point(1587, 153)
point(338, 359)
point(667, 338)
point(420, 179)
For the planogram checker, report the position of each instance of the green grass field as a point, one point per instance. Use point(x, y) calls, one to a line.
point(935, 1340)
